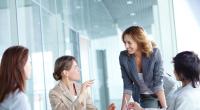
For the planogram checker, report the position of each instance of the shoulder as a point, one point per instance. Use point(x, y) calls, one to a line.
point(123, 54)
point(156, 52)
point(21, 101)
point(22, 97)
point(189, 94)
point(188, 100)
point(17, 101)
point(56, 90)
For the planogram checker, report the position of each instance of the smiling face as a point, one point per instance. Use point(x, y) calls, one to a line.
point(130, 45)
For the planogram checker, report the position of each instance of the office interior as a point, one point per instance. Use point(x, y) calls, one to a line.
point(91, 31)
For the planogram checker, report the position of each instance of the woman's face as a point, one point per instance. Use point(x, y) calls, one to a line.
point(27, 69)
point(74, 72)
point(130, 45)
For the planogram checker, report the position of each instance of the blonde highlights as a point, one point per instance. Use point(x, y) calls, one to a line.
point(138, 34)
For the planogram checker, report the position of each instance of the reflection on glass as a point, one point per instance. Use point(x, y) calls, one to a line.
point(51, 50)
point(5, 38)
point(28, 16)
point(49, 5)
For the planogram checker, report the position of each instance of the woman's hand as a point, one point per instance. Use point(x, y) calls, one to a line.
point(111, 107)
point(134, 106)
point(85, 86)
point(84, 90)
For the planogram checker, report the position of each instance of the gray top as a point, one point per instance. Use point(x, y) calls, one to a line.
point(186, 98)
point(15, 101)
point(170, 86)
point(152, 69)
point(143, 87)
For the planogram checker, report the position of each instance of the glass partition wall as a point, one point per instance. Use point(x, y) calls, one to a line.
point(91, 31)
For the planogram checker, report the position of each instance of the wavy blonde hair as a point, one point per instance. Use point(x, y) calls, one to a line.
point(138, 34)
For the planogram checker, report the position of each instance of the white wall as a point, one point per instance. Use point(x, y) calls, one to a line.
point(166, 33)
point(112, 46)
point(84, 54)
point(187, 20)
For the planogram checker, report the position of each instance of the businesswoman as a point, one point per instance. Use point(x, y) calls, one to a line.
point(68, 94)
point(186, 70)
point(142, 70)
point(14, 71)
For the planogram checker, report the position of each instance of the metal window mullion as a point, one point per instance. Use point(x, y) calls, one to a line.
point(13, 22)
point(42, 39)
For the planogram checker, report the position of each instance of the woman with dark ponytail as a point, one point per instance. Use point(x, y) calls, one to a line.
point(68, 94)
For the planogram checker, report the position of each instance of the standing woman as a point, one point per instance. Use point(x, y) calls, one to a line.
point(142, 70)
point(14, 71)
point(68, 94)
point(187, 71)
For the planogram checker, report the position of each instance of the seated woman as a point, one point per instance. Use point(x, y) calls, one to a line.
point(14, 71)
point(186, 70)
point(68, 94)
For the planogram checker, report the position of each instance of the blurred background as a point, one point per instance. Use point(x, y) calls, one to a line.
point(91, 31)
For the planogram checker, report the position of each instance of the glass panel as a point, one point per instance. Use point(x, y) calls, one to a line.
point(5, 35)
point(68, 44)
point(64, 11)
point(56, 27)
point(38, 1)
point(102, 21)
point(59, 7)
point(28, 15)
point(61, 37)
point(49, 5)
point(188, 36)
point(51, 50)
point(74, 39)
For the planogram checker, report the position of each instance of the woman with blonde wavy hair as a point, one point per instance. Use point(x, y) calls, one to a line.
point(142, 70)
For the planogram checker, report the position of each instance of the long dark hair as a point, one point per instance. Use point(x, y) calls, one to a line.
point(12, 74)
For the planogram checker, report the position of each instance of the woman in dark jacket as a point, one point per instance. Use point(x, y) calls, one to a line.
point(142, 70)
point(187, 71)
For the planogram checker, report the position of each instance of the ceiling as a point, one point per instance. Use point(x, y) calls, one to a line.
point(100, 18)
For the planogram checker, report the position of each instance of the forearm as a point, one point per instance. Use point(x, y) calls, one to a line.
point(125, 98)
point(89, 103)
point(161, 97)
